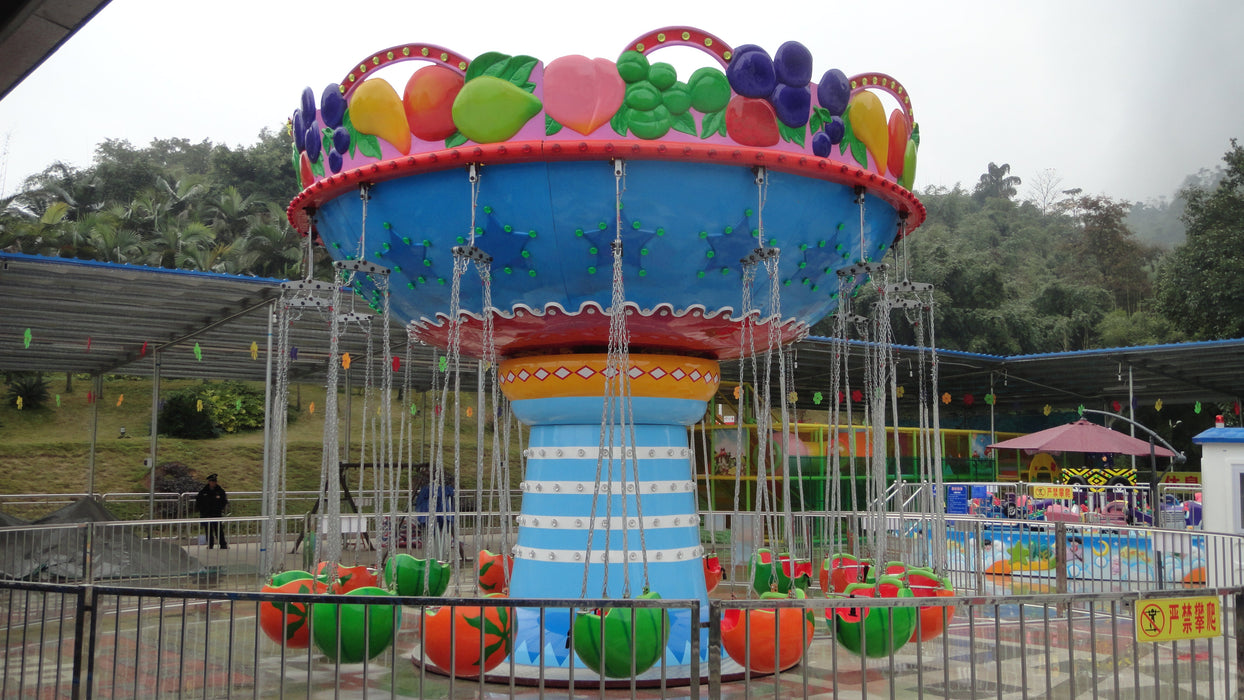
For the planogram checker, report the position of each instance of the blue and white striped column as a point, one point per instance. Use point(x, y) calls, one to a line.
point(560, 397)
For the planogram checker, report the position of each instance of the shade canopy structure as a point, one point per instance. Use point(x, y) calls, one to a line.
point(1083, 436)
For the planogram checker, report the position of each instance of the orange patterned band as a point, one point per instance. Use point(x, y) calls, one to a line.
point(666, 376)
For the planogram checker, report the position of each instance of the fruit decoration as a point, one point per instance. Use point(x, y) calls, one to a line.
point(712, 572)
point(932, 619)
point(288, 623)
point(841, 570)
point(760, 100)
point(455, 636)
point(874, 632)
point(768, 639)
point(376, 109)
point(632, 640)
point(429, 99)
point(567, 80)
point(766, 577)
point(408, 575)
point(494, 571)
point(354, 632)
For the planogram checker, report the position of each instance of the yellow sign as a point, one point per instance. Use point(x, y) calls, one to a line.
point(1166, 619)
point(1050, 491)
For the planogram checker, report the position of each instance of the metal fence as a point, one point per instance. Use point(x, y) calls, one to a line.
point(1054, 556)
point(120, 642)
point(146, 609)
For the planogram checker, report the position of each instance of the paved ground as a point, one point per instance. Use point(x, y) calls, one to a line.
point(197, 650)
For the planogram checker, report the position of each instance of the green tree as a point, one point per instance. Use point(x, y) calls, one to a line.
point(1109, 255)
point(1201, 283)
point(998, 182)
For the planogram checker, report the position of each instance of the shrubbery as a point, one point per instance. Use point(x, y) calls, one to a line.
point(210, 410)
point(31, 387)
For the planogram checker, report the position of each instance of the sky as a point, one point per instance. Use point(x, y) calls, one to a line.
point(1123, 99)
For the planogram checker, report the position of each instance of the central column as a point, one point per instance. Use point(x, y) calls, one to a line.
point(562, 398)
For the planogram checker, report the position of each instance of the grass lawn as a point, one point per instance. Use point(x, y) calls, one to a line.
point(48, 450)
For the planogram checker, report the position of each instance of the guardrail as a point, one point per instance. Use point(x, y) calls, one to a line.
point(120, 641)
point(1060, 557)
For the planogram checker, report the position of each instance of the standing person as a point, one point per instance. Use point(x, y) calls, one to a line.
point(211, 502)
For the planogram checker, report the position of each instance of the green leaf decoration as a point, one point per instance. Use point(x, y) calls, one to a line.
point(618, 123)
point(551, 126)
point(848, 134)
point(327, 139)
point(859, 152)
point(26, 338)
point(456, 140)
point(295, 624)
point(1197, 408)
point(684, 123)
point(713, 123)
point(513, 69)
point(318, 168)
point(482, 64)
point(414, 410)
point(443, 363)
point(794, 134)
point(369, 145)
point(820, 115)
point(294, 150)
point(354, 133)
point(198, 352)
point(1080, 410)
point(817, 398)
point(915, 135)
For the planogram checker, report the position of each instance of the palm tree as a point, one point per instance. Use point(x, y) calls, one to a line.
point(231, 214)
point(115, 243)
point(212, 258)
point(168, 245)
point(998, 182)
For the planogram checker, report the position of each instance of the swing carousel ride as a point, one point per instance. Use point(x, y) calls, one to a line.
point(597, 237)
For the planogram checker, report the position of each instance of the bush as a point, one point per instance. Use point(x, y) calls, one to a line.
point(31, 387)
point(210, 410)
point(174, 477)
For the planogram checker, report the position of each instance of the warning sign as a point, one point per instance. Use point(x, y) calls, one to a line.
point(1166, 619)
point(1052, 491)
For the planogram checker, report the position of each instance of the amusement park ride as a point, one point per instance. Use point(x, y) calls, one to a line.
point(600, 235)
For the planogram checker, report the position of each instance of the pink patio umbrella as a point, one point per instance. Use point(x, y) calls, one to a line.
point(1083, 436)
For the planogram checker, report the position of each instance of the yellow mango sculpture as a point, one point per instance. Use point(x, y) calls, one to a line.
point(376, 109)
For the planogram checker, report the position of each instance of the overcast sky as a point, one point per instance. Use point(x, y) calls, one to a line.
point(1119, 98)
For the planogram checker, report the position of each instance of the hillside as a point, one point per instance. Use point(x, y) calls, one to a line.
point(48, 450)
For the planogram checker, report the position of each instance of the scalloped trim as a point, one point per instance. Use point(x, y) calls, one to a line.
point(591, 307)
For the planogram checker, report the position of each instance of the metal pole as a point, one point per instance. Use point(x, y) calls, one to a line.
point(155, 432)
point(1154, 506)
point(349, 422)
point(1239, 644)
point(1131, 411)
point(1060, 557)
point(269, 479)
point(97, 385)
